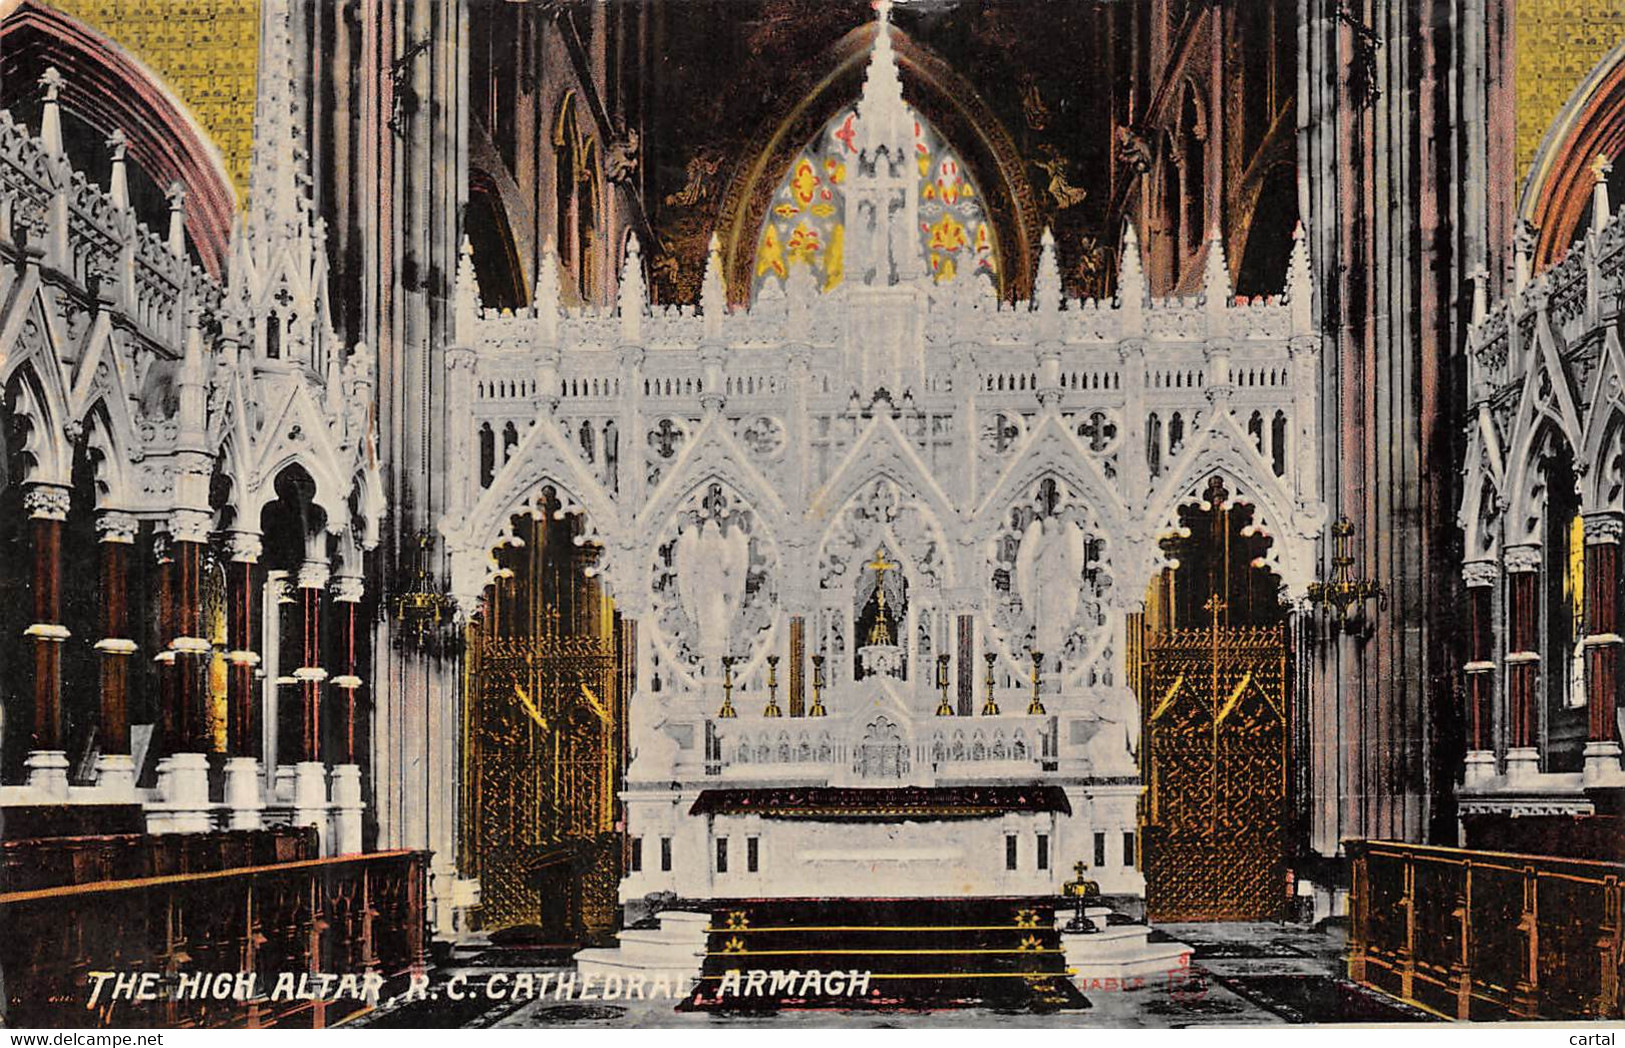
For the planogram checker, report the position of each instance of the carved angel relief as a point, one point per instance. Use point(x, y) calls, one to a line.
point(712, 581)
point(1049, 581)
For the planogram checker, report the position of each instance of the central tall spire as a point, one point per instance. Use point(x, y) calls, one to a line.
point(278, 186)
point(883, 119)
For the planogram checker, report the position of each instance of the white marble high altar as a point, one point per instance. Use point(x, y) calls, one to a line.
point(906, 477)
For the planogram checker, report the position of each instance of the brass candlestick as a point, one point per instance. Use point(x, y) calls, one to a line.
point(772, 688)
point(817, 709)
point(1036, 707)
point(727, 712)
point(990, 708)
point(943, 709)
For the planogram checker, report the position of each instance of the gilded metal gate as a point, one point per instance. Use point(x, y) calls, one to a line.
point(543, 743)
point(1215, 817)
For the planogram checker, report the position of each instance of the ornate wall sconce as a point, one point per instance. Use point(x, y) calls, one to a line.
point(424, 613)
point(1343, 596)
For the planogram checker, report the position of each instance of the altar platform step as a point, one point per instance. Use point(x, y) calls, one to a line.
point(770, 954)
point(671, 952)
point(1119, 951)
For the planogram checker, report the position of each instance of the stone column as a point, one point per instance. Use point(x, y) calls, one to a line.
point(1480, 578)
point(244, 734)
point(47, 507)
point(1603, 644)
point(115, 767)
point(183, 776)
point(310, 777)
point(347, 804)
point(1523, 661)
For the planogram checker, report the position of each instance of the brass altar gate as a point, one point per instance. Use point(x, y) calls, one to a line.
point(1214, 754)
point(544, 733)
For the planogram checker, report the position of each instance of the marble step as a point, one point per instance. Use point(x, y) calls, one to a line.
point(1123, 952)
point(658, 950)
point(600, 964)
point(671, 953)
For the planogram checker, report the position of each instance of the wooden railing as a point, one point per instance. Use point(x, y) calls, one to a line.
point(356, 916)
point(52, 862)
point(1486, 935)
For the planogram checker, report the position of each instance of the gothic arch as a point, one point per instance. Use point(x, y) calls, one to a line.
point(881, 451)
point(1051, 450)
point(1223, 450)
point(944, 98)
point(109, 88)
point(713, 454)
point(111, 445)
point(1557, 190)
point(1526, 485)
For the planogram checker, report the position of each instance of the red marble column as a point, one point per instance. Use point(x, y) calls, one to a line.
point(188, 540)
point(117, 532)
point(1480, 577)
point(47, 507)
point(346, 660)
point(244, 615)
point(312, 597)
point(1604, 645)
point(1523, 647)
point(798, 666)
point(168, 715)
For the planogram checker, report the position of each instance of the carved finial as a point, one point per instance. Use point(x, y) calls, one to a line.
point(1299, 285)
point(713, 293)
point(1047, 293)
point(50, 124)
point(466, 294)
point(632, 297)
point(1216, 276)
point(1481, 295)
point(177, 219)
point(883, 119)
point(546, 300)
point(1523, 252)
point(1131, 280)
point(1601, 210)
point(118, 183)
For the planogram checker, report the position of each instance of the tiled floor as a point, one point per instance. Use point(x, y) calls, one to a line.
point(1242, 974)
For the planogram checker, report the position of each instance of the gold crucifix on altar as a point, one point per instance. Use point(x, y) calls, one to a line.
point(880, 632)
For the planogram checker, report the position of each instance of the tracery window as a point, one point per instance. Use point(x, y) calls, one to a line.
point(805, 224)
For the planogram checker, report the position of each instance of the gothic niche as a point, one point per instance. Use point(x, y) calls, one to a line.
point(880, 517)
point(1050, 581)
point(712, 583)
point(881, 611)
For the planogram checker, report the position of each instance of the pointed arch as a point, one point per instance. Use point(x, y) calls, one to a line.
point(713, 453)
point(109, 88)
point(1557, 190)
point(1051, 449)
point(1224, 450)
point(938, 93)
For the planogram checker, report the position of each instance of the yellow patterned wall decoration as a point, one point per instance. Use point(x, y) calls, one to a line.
point(1558, 43)
point(206, 51)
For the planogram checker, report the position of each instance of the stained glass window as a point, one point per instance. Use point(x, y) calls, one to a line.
point(804, 224)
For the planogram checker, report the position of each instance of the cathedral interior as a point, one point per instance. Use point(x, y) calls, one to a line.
point(640, 485)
